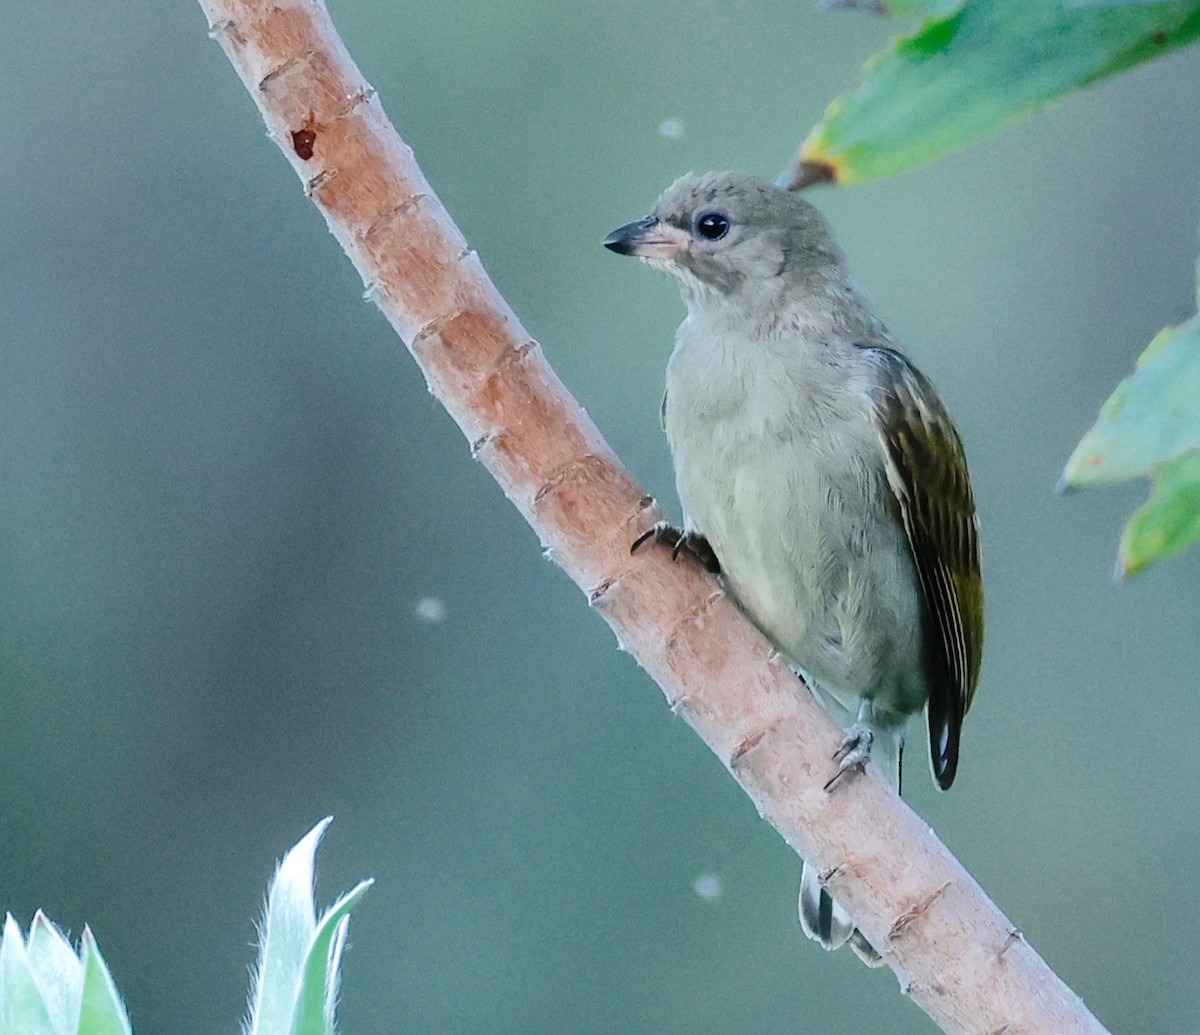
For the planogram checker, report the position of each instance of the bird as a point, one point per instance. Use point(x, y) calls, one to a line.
point(820, 476)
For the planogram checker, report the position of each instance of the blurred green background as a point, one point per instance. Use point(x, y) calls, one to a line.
point(225, 495)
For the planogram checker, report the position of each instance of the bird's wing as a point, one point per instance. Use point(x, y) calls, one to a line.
point(927, 471)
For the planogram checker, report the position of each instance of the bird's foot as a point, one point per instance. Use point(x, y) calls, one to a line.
point(693, 544)
point(854, 753)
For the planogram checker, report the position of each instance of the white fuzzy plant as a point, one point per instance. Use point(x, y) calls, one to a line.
point(294, 991)
point(47, 988)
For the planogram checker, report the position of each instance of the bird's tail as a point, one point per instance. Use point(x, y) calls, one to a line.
point(824, 919)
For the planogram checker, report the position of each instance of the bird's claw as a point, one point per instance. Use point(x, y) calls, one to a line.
point(854, 753)
point(693, 544)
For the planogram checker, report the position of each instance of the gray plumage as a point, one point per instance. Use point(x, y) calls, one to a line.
point(823, 471)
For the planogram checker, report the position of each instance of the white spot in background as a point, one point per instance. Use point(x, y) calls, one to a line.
point(708, 887)
point(431, 609)
point(671, 128)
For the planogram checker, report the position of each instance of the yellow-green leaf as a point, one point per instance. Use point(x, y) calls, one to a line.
point(1151, 418)
point(1168, 521)
point(961, 77)
point(100, 1010)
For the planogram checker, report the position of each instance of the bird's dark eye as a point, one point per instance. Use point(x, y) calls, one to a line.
point(712, 226)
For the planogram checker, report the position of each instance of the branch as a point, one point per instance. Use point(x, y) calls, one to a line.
point(953, 951)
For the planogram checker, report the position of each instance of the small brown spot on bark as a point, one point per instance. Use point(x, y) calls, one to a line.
point(597, 593)
point(746, 746)
point(1014, 936)
point(302, 142)
point(917, 912)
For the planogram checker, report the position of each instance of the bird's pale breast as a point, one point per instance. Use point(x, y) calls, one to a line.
point(809, 540)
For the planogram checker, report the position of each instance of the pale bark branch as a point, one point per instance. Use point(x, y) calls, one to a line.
point(955, 954)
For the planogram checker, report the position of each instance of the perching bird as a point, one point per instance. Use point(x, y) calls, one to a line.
point(820, 474)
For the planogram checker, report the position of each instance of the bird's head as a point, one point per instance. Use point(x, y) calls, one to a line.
point(732, 240)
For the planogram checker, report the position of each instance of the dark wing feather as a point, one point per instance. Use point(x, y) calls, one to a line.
point(927, 471)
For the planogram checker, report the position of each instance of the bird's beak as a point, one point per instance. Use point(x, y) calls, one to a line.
point(648, 238)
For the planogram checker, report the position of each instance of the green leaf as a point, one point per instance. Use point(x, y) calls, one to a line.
point(287, 929)
point(317, 995)
point(101, 1012)
point(1151, 425)
point(56, 971)
point(1168, 521)
point(295, 987)
point(45, 989)
point(987, 66)
point(1152, 418)
point(21, 1006)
